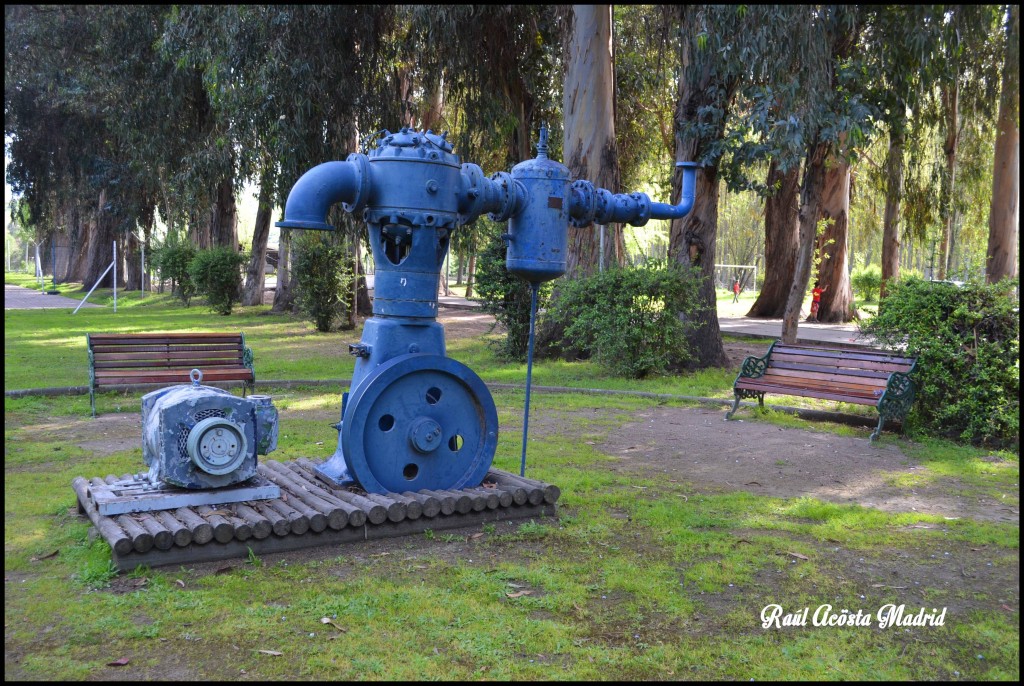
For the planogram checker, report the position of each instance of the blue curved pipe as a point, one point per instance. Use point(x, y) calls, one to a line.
point(315, 192)
point(661, 210)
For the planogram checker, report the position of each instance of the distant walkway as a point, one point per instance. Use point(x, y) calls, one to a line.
point(21, 298)
point(807, 332)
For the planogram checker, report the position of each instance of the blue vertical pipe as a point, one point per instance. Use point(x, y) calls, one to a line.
point(534, 285)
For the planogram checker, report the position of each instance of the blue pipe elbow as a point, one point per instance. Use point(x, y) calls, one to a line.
point(315, 192)
point(661, 210)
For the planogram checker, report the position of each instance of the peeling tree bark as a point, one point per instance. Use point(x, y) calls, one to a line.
point(810, 202)
point(891, 216)
point(833, 245)
point(1004, 212)
point(781, 226)
point(590, 150)
point(255, 276)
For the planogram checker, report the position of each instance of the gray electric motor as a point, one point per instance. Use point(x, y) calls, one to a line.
point(201, 437)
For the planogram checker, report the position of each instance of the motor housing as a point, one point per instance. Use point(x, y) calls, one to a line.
point(200, 437)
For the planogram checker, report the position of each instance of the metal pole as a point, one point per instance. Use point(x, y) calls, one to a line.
point(115, 277)
point(600, 259)
point(142, 276)
point(53, 260)
point(39, 268)
point(529, 373)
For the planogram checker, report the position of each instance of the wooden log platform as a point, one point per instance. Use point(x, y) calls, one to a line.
point(309, 512)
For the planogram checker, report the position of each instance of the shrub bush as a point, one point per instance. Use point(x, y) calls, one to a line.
point(216, 273)
point(967, 343)
point(172, 259)
point(507, 297)
point(628, 318)
point(322, 277)
point(867, 281)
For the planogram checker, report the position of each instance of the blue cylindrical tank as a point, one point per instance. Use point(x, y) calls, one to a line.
point(537, 235)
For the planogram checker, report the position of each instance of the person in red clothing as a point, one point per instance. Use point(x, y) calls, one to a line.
point(736, 291)
point(816, 300)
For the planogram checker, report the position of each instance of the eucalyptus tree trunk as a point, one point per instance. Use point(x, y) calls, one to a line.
point(471, 269)
point(891, 215)
point(224, 217)
point(255, 275)
point(833, 245)
point(1004, 212)
point(810, 204)
point(284, 296)
point(100, 248)
point(132, 262)
point(589, 148)
point(781, 225)
point(950, 98)
point(76, 237)
point(691, 240)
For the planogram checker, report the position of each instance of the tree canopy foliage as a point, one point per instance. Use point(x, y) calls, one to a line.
point(117, 115)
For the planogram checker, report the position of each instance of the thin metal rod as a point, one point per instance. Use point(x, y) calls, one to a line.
point(115, 277)
point(529, 372)
point(109, 266)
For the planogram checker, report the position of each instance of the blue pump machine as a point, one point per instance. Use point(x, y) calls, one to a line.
point(413, 418)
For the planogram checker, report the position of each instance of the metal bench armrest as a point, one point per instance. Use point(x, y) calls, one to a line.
point(755, 367)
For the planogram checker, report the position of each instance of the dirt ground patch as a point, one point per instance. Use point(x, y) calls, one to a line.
point(699, 446)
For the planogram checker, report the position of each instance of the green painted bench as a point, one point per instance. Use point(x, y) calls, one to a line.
point(860, 376)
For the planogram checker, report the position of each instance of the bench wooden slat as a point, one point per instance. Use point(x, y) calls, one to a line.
point(167, 364)
point(116, 338)
point(124, 349)
point(169, 376)
point(843, 354)
point(815, 394)
point(796, 382)
point(805, 372)
point(843, 364)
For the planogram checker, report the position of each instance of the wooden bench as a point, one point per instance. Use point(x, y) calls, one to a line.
point(126, 359)
point(860, 376)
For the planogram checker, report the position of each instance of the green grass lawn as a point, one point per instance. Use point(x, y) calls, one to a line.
point(639, 578)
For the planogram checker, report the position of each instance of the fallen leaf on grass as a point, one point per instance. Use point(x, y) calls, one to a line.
point(798, 556)
point(118, 663)
point(518, 594)
point(328, 620)
point(478, 534)
point(1007, 608)
point(275, 653)
point(47, 556)
point(886, 586)
point(180, 582)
